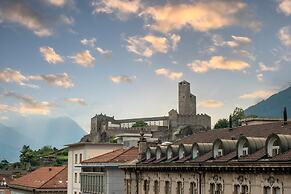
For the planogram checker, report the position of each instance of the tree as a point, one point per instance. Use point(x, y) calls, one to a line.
point(4, 164)
point(140, 124)
point(28, 157)
point(221, 123)
point(237, 115)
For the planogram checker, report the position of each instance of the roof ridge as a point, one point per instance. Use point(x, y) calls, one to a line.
point(126, 150)
point(64, 167)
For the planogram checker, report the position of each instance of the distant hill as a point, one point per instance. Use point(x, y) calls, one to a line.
point(36, 132)
point(273, 106)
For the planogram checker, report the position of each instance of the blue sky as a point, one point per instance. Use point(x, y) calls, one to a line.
point(125, 58)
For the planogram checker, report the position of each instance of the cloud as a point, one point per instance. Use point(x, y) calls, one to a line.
point(84, 58)
point(265, 68)
point(13, 76)
point(19, 12)
point(211, 104)
point(285, 7)
point(79, 101)
point(150, 44)
point(67, 20)
point(3, 118)
point(9, 76)
point(61, 80)
point(120, 7)
point(145, 61)
point(245, 53)
point(50, 55)
point(88, 42)
point(199, 15)
point(218, 62)
point(56, 3)
point(284, 35)
point(175, 40)
point(122, 79)
point(169, 74)
point(260, 76)
point(28, 105)
point(260, 94)
point(104, 52)
point(235, 42)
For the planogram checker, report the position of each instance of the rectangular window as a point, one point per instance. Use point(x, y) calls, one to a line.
point(146, 184)
point(276, 150)
point(156, 187)
point(236, 189)
point(245, 151)
point(179, 188)
point(128, 186)
point(219, 189)
point(76, 178)
point(219, 152)
point(244, 189)
point(267, 190)
point(76, 158)
point(167, 187)
point(81, 158)
point(193, 188)
point(276, 190)
point(212, 189)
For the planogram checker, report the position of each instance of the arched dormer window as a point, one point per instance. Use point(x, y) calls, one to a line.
point(249, 145)
point(222, 147)
point(200, 149)
point(160, 152)
point(150, 152)
point(277, 143)
point(184, 150)
point(172, 151)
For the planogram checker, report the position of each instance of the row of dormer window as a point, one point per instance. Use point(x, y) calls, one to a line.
point(274, 144)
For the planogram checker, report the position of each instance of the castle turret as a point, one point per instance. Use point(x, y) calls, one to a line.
point(187, 101)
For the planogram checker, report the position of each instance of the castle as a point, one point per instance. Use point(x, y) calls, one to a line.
point(167, 128)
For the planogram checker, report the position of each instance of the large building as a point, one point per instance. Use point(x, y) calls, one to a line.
point(83, 151)
point(174, 126)
point(251, 159)
point(101, 174)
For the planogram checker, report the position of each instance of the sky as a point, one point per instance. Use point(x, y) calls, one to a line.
point(125, 58)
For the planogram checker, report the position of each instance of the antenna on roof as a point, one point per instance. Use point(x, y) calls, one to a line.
point(285, 115)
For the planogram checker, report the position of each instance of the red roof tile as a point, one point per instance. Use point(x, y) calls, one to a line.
point(44, 177)
point(117, 156)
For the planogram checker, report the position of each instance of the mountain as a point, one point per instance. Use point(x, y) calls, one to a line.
point(273, 106)
point(37, 132)
point(11, 143)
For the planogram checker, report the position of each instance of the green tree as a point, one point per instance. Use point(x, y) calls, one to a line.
point(28, 157)
point(221, 123)
point(140, 124)
point(4, 164)
point(237, 115)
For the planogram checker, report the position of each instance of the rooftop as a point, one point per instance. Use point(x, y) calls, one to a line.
point(43, 178)
point(117, 156)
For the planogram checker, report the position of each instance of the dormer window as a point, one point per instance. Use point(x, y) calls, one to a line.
point(169, 154)
point(158, 154)
point(275, 148)
point(181, 153)
point(219, 152)
point(277, 144)
point(200, 149)
point(245, 151)
point(223, 147)
point(148, 154)
point(195, 153)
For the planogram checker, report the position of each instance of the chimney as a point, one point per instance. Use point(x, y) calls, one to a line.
point(142, 145)
point(230, 122)
point(285, 115)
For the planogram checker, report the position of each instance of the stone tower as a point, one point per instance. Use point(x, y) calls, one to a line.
point(187, 101)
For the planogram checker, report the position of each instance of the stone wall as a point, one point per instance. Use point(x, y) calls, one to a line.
point(208, 183)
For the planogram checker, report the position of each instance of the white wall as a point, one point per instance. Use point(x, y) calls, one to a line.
point(87, 151)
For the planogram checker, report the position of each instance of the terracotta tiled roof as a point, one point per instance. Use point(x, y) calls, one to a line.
point(262, 130)
point(44, 178)
point(117, 156)
point(253, 157)
point(282, 157)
